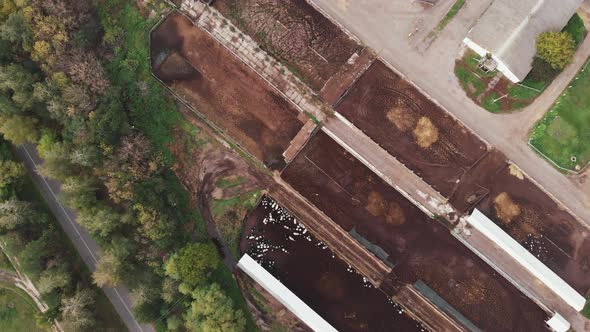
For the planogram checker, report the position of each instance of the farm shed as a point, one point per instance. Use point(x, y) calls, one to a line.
point(507, 30)
point(558, 324)
point(284, 295)
point(504, 241)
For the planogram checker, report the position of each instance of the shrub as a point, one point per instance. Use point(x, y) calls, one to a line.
point(557, 48)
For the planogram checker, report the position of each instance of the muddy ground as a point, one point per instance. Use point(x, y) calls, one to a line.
point(411, 127)
point(418, 247)
point(311, 270)
point(295, 33)
point(223, 89)
point(530, 216)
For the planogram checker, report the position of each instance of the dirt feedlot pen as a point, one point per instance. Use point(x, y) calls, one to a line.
point(419, 247)
point(292, 31)
point(455, 162)
point(311, 270)
point(223, 89)
point(411, 127)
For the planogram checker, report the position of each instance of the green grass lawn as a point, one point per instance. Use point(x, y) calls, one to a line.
point(564, 132)
point(575, 27)
point(17, 310)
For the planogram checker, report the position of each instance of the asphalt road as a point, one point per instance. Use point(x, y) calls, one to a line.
point(87, 248)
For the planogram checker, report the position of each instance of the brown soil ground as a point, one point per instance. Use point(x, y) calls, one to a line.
point(223, 89)
point(325, 283)
point(295, 33)
point(530, 216)
point(419, 247)
point(411, 127)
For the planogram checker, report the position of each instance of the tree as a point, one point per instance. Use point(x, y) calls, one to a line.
point(79, 99)
point(19, 129)
point(133, 161)
point(108, 121)
point(79, 192)
point(19, 81)
point(109, 270)
point(212, 311)
point(15, 213)
point(31, 258)
point(77, 311)
point(84, 68)
point(11, 172)
point(147, 302)
point(193, 264)
point(54, 278)
point(154, 225)
point(102, 220)
point(15, 30)
point(169, 290)
point(173, 323)
point(557, 48)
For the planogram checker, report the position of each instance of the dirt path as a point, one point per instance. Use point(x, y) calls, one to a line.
point(206, 187)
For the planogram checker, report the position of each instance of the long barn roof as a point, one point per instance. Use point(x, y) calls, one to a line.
point(505, 242)
point(508, 29)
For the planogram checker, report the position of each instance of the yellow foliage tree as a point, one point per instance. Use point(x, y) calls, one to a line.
point(557, 48)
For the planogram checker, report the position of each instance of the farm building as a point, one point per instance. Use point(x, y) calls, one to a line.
point(506, 32)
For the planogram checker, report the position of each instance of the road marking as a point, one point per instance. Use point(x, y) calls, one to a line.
point(78, 232)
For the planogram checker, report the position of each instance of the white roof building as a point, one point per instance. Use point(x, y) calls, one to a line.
point(558, 324)
point(284, 295)
point(504, 241)
point(508, 28)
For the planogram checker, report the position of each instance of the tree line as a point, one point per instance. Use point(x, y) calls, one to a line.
point(31, 235)
point(75, 80)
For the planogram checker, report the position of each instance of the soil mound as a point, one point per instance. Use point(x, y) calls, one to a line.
point(401, 118)
point(425, 133)
point(395, 215)
point(376, 205)
point(505, 207)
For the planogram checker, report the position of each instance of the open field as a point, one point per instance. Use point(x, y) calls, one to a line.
point(224, 89)
point(419, 248)
point(562, 135)
point(327, 284)
point(292, 31)
point(411, 128)
point(17, 310)
point(531, 217)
